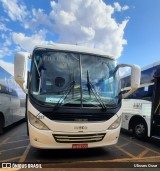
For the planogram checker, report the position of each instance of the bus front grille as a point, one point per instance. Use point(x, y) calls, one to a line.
point(76, 138)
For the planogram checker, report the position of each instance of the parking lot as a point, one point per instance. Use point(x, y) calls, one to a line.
point(15, 147)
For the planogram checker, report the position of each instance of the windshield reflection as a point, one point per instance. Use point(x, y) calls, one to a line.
point(53, 74)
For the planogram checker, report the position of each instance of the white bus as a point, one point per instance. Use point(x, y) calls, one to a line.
point(12, 107)
point(141, 110)
point(73, 96)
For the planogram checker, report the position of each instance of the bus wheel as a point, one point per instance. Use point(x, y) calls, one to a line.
point(140, 130)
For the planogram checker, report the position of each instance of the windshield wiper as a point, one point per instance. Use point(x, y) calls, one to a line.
point(62, 98)
point(93, 90)
point(38, 75)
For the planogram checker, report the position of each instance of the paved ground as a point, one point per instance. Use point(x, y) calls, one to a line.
point(129, 152)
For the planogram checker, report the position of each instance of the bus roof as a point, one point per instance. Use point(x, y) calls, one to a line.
point(151, 65)
point(76, 48)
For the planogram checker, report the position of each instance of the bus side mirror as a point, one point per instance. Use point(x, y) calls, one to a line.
point(20, 69)
point(135, 78)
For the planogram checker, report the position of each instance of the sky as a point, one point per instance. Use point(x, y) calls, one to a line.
point(126, 29)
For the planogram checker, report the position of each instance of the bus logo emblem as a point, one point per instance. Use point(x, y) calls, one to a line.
point(80, 127)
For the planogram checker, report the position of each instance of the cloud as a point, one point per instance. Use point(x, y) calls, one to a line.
point(7, 66)
point(126, 7)
point(78, 22)
point(83, 22)
point(5, 43)
point(38, 18)
point(5, 40)
point(4, 19)
point(5, 51)
point(3, 27)
point(53, 4)
point(14, 9)
point(29, 42)
point(120, 8)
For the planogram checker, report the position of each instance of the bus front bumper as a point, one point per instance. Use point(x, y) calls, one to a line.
point(44, 139)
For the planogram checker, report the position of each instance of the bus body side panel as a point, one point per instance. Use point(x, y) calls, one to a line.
point(9, 99)
point(146, 113)
point(5, 109)
point(126, 113)
point(22, 109)
point(18, 109)
point(135, 107)
point(15, 108)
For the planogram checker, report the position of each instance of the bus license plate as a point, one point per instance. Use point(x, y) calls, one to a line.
point(79, 145)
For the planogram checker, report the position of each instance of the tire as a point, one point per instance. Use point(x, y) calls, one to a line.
point(140, 130)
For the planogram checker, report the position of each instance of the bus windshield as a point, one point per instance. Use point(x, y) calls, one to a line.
point(73, 79)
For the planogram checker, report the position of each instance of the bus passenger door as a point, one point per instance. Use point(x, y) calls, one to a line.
point(155, 118)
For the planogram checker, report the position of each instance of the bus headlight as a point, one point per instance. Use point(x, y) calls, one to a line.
point(116, 123)
point(36, 122)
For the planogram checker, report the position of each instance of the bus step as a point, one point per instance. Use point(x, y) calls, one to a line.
point(157, 137)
